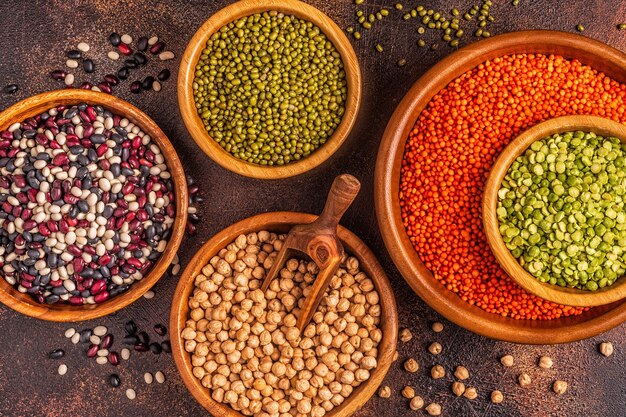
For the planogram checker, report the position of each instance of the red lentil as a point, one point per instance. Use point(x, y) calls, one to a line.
point(454, 144)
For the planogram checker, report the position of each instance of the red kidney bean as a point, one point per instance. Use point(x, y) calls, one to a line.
point(102, 297)
point(98, 286)
point(92, 351)
point(114, 358)
point(106, 342)
point(76, 300)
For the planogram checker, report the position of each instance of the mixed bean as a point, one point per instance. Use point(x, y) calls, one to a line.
point(86, 204)
point(561, 210)
point(244, 344)
point(270, 88)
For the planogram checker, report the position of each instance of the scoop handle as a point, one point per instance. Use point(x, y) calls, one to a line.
point(342, 193)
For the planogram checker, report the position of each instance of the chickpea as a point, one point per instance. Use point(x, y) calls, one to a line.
point(435, 348)
point(497, 397)
point(408, 392)
point(384, 392)
point(461, 373)
point(458, 388)
point(433, 409)
point(470, 393)
point(545, 362)
point(559, 387)
point(411, 365)
point(437, 372)
point(416, 403)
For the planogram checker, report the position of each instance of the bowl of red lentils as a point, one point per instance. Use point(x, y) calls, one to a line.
point(93, 205)
point(269, 89)
point(237, 347)
point(436, 155)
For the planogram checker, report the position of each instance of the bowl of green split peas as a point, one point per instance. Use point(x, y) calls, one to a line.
point(269, 89)
point(554, 210)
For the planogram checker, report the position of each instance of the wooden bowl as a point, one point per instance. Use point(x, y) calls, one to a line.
point(554, 293)
point(195, 125)
point(35, 105)
point(281, 222)
point(387, 184)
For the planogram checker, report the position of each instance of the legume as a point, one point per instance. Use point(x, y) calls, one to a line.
point(86, 205)
point(560, 210)
point(237, 330)
point(260, 106)
point(441, 186)
point(606, 348)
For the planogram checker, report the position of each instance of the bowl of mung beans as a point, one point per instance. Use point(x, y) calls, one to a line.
point(553, 210)
point(93, 205)
point(237, 348)
point(269, 89)
point(435, 158)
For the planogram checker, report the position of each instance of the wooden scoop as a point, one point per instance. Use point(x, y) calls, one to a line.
point(319, 241)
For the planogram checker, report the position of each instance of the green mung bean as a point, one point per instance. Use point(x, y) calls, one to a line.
point(270, 88)
point(561, 210)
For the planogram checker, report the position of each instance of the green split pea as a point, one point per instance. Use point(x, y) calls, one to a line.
point(561, 210)
point(270, 88)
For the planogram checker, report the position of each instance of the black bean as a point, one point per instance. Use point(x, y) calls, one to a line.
point(85, 335)
point(130, 63)
point(130, 339)
point(155, 348)
point(164, 74)
point(56, 354)
point(166, 346)
point(140, 58)
point(142, 43)
point(98, 138)
point(89, 66)
point(11, 88)
point(130, 327)
point(115, 39)
point(114, 380)
point(74, 54)
point(122, 73)
point(147, 82)
point(144, 338)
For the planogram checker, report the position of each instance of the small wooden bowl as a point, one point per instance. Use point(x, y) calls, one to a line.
point(35, 105)
point(387, 184)
point(554, 293)
point(281, 222)
point(195, 125)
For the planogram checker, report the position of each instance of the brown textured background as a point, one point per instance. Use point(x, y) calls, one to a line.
point(33, 38)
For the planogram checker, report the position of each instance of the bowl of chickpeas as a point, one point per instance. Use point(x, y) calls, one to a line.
point(238, 349)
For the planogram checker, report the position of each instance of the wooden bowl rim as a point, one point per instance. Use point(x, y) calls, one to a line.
point(34, 105)
point(387, 174)
point(519, 145)
point(272, 221)
point(195, 125)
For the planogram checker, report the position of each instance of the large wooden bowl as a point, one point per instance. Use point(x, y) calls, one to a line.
point(35, 105)
point(554, 293)
point(195, 125)
point(387, 183)
point(281, 222)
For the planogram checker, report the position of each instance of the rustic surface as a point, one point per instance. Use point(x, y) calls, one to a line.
point(35, 35)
